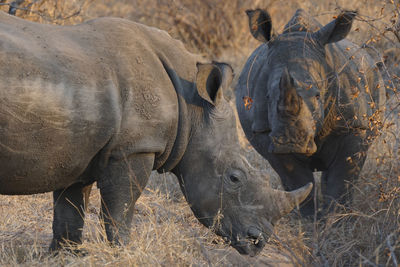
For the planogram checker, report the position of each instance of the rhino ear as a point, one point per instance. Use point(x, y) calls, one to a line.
point(260, 24)
point(337, 29)
point(210, 80)
point(227, 74)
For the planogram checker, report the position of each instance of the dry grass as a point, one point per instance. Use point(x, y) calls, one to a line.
point(165, 231)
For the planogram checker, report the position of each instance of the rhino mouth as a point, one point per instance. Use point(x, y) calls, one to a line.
point(252, 244)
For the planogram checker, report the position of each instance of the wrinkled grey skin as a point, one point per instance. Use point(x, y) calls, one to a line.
point(390, 70)
point(313, 94)
point(110, 100)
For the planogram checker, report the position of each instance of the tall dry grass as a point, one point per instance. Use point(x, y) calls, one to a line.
point(165, 232)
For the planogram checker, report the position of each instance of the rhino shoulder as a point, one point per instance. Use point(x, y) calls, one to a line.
point(252, 65)
point(302, 22)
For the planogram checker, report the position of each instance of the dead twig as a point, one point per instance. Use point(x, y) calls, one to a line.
point(14, 6)
point(392, 249)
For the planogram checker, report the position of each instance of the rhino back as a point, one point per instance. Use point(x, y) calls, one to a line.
point(356, 85)
point(71, 93)
point(152, 68)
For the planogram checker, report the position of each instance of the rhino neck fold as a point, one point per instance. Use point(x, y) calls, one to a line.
point(183, 131)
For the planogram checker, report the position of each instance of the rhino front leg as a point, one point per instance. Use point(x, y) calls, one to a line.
point(121, 184)
point(337, 181)
point(68, 215)
point(294, 173)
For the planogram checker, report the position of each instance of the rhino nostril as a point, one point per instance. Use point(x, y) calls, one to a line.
point(255, 234)
point(256, 237)
point(260, 126)
point(261, 130)
point(267, 131)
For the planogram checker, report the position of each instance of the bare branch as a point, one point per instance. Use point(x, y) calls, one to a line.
point(14, 6)
point(392, 249)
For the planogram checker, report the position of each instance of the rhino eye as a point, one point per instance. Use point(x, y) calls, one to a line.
point(317, 96)
point(234, 178)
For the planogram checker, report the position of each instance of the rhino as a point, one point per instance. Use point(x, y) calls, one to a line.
point(110, 100)
point(310, 100)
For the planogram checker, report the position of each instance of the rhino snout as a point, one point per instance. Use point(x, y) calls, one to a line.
point(311, 146)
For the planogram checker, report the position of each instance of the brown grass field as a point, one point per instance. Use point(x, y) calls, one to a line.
point(165, 232)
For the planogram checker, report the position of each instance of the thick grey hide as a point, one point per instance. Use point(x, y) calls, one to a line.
point(110, 100)
point(317, 100)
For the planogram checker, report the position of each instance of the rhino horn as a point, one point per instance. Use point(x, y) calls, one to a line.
point(289, 100)
point(287, 201)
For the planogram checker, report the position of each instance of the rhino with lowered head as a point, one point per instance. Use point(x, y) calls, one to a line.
point(110, 100)
point(310, 100)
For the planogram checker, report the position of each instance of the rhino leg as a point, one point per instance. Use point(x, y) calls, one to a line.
point(294, 173)
point(68, 215)
point(344, 170)
point(121, 183)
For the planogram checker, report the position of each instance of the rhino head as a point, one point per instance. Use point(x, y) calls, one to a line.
point(223, 190)
point(290, 87)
